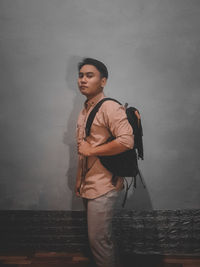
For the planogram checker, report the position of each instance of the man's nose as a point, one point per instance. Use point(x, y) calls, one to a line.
point(83, 79)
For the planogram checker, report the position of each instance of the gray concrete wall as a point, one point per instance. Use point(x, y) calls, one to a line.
point(151, 48)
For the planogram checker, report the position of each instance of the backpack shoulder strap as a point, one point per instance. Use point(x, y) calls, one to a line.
point(93, 113)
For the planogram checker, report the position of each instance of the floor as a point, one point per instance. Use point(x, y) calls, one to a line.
point(44, 259)
point(63, 259)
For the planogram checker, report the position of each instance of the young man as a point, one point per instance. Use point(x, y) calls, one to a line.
point(94, 182)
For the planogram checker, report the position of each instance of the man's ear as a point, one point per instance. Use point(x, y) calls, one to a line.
point(103, 81)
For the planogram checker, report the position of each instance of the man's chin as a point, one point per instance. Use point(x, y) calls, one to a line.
point(83, 93)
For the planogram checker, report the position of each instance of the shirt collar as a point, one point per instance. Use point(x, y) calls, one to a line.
point(93, 101)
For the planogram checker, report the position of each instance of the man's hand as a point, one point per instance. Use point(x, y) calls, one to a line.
point(85, 149)
point(77, 188)
point(108, 149)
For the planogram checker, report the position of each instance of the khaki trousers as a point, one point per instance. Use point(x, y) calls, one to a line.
point(99, 220)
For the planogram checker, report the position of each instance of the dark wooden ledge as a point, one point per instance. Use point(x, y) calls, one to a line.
point(63, 259)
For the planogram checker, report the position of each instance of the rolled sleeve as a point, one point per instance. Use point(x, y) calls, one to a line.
point(117, 122)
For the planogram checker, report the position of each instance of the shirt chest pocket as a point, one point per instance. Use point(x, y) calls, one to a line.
point(99, 132)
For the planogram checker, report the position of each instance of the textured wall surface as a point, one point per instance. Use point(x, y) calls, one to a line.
point(146, 232)
point(151, 48)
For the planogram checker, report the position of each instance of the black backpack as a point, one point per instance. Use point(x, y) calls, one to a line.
point(124, 164)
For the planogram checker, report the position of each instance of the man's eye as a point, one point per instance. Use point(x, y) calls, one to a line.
point(89, 75)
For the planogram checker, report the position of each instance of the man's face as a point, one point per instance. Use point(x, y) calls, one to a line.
point(90, 82)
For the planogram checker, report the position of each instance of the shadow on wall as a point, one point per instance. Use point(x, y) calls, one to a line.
point(138, 198)
point(70, 134)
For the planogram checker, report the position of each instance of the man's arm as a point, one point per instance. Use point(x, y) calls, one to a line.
point(116, 120)
point(78, 177)
point(108, 149)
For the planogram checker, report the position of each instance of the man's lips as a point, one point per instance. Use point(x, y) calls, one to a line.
point(83, 86)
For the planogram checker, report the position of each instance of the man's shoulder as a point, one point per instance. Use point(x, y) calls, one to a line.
point(110, 103)
point(110, 106)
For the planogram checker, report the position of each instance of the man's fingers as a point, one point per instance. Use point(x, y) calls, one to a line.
point(77, 194)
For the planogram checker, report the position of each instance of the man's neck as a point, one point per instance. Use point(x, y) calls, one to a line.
point(94, 100)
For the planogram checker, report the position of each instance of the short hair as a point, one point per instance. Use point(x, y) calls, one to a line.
point(101, 67)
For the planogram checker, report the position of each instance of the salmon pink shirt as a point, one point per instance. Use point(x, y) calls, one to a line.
point(110, 120)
